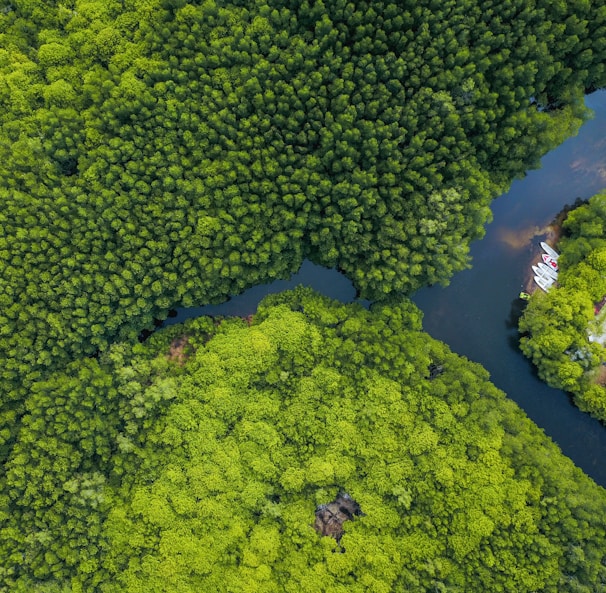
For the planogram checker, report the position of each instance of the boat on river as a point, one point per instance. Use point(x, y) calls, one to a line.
point(550, 250)
point(548, 271)
point(544, 283)
point(538, 272)
point(552, 263)
point(543, 271)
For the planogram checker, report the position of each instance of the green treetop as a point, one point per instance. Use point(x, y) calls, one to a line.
point(205, 473)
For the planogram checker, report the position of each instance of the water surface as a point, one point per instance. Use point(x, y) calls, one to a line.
point(477, 314)
point(328, 282)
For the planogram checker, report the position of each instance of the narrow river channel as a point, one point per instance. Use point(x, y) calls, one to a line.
point(477, 314)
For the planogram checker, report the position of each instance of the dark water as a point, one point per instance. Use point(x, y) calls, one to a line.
point(477, 314)
point(329, 282)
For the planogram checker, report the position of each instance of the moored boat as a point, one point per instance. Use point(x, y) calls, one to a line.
point(548, 271)
point(552, 263)
point(541, 273)
point(549, 250)
point(544, 283)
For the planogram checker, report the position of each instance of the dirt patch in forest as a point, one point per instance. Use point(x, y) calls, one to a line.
point(180, 350)
point(330, 517)
point(600, 377)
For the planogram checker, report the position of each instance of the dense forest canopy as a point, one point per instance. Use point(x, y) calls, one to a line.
point(157, 153)
point(144, 472)
point(564, 331)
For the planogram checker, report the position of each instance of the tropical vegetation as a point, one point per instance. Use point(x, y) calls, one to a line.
point(145, 472)
point(157, 153)
point(164, 153)
point(564, 331)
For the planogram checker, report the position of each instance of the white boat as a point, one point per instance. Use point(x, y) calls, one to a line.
point(541, 273)
point(548, 271)
point(544, 283)
point(550, 250)
point(552, 263)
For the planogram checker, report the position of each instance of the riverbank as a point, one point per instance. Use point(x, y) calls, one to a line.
point(476, 315)
point(551, 235)
point(551, 238)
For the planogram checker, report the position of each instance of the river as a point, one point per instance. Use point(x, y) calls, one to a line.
point(476, 315)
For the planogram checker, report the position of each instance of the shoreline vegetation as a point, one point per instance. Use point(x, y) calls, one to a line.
point(164, 153)
point(563, 331)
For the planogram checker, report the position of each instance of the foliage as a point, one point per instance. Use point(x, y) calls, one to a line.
point(207, 476)
point(563, 335)
point(158, 153)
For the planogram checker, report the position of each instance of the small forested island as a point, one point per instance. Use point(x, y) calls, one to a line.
point(165, 153)
point(564, 330)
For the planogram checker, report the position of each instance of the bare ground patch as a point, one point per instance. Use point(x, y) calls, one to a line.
point(330, 517)
point(180, 350)
point(600, 377)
